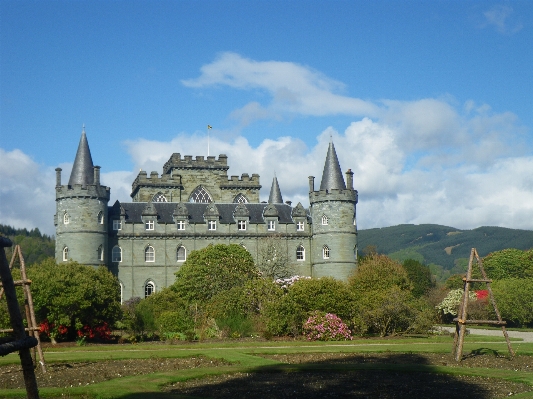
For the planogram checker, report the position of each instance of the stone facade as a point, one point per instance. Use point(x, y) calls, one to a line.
point(194, 204)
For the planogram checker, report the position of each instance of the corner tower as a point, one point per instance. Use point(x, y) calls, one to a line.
point(333, 213)
point(81, 212)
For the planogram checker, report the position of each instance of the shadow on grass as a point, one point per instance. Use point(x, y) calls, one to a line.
point(482, 352)
point(356, 376)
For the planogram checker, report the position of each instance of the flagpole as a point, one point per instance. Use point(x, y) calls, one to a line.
point(208, 129)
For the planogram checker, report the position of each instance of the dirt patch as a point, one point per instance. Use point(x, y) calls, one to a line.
point(66, 375)
point(397, 383)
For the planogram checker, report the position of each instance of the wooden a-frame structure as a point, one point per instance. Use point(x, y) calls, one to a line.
point(462, 319)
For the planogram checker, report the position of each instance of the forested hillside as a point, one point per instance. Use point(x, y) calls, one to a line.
point(35, 246)
point(445, 249)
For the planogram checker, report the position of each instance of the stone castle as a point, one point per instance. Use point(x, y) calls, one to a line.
point(194, 204)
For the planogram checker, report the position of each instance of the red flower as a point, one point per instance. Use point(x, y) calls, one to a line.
point(482, 294)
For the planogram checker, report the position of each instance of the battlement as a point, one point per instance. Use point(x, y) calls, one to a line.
point(333, 195)
point(187, 162)
point(165, 181)
point(245, 181)
point(79, 191)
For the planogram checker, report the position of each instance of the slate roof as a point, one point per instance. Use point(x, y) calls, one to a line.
point(196, 211)
point(83, 168)
point(275, 193)
point(332, 175)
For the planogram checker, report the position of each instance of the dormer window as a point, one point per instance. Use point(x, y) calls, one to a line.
point(117, 225)
point(271, 225)
point(180, 224)
point(212, 225)
point(324, 220)
point(149, 225)
point(241, 225)
point(300, 226)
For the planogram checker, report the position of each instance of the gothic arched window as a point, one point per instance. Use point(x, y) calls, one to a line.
point(181, 254)
point(300, 252)
point(240, 199)
point(325, 252)
point(65, 254)
point(159, 197)
point(66, 218)
point(100, 253)
point(324, 220)
point(149, 289)
point(100, 218)
point(116, 254)
point(149, 254)
point(201, 195)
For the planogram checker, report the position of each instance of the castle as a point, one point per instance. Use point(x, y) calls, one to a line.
point(194, 204)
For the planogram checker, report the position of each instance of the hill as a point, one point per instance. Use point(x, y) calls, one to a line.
point(35, 246)
point(445, 249)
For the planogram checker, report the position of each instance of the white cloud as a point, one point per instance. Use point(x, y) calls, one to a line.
point(499, 16)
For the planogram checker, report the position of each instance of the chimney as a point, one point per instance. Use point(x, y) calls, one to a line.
point(58, 177)
point(349, 179)
point(97, 175)
point(311, 184)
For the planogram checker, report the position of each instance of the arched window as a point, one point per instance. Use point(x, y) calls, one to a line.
point(116, 254)
point(159, 197)
point(65, 254)
point(149, 254)
point(66, 218)
point(100, 218)
point(325, 252)
point(149, 289)
point(300, 252)
point(324, 220)
point(240, 199)
point(181, 254)
point(100, 254)
point(201, 195)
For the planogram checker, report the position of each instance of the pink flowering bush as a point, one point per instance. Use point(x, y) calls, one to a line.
point(321, 326)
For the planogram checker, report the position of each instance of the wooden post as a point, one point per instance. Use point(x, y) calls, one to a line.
point(16, 322)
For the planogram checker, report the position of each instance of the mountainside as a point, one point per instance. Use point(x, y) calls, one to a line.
point(442, 246)
point(35, 246)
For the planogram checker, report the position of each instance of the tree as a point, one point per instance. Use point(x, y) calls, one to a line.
point(214, 269)
point(420, 276)
point(73, 295)
point(272, 258)
point(514, 298)
point(509, 263)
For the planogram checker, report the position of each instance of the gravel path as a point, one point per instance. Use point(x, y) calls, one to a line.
point(526, 336)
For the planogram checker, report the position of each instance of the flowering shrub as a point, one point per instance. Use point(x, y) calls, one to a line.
point(51, 331)
point(101, 332)
point(482, 295)
point(285, 283)
point(322, 326)
point(450, 304)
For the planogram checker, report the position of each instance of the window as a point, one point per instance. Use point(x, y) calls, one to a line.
point(100, 218)
point(149, 254)
point(201, 195)
point(66, 218)
point(300, 226)
point(181, 254)
point(100, 253)
point(324, 220)
point(117, 225)
point(325, 252)
point(116, 254)
point(65, 254)
point(271, 225)
point(212, 225)
point(180, 224)
point(149, 289)
point(241, 224)
point(149, 224)
point(300, 252)
point(159, 198)
point(240, 199)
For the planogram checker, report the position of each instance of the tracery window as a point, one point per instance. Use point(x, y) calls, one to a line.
point(181, 254)
point(159, 197)
point(149, 254)
point(325, 252)
point(149, 289)
point(240, 199)
point(66, 218)
point(116, 254)
point(201, 195)
point(300, 253)
point(324, 220)
point(65, 254)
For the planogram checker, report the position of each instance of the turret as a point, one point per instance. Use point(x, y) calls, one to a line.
point(275, 193)
point(333, 214)
point(81, 211)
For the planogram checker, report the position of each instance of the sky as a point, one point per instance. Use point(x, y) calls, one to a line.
point(429, 103)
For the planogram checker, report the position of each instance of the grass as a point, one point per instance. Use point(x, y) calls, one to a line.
point(243, 355)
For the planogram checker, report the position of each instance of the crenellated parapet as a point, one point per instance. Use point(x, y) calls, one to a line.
point(244, 182)
point(95, 190)
point(176, 162)
point(155, 182)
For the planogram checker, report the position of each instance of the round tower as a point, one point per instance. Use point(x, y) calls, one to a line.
point(81, 212)
point(332, 211)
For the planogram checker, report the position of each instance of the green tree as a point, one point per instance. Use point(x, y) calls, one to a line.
point(455, 281)
point(509, 263)
point(74, 295)
point(214, 269)
point(514, 298)
point(420, 276)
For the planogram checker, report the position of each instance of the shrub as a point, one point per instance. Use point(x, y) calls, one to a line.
point(321, 326)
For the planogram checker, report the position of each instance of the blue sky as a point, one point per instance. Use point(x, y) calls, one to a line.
point(430, 103)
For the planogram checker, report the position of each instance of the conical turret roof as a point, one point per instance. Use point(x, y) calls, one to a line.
point(332, 175)
point(275, 193)
point(83, 168)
